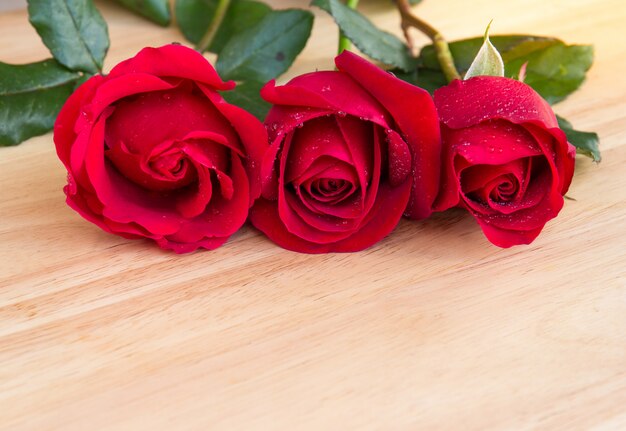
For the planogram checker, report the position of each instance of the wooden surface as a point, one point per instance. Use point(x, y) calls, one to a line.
point(434, 328)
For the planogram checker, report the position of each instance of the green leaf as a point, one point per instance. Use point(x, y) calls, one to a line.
point(586, 143)
point(247, 96)
point(195, 16)
point(428, 79)
point(554, 72)
point(372, 41)
point(157, 11)
point(554, 68)
point(31, 96)
point(488, 61)
point(266, 50)
point(241, 15)
point(73, 30)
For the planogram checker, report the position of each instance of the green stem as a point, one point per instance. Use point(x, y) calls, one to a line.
point(344, 42)
point(446, 61)
point(211, 32)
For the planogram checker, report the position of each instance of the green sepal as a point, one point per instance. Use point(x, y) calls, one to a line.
point(488, 61)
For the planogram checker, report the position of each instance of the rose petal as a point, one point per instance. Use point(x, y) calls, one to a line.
point(490, 143)
point(193, 202)
point(399, 158)
point(168, 60)
point(188, 247)
point(252, 134)
point(527, 218)
point(553, 143)
point(415, 115)
point(316, 227)
point(330, 229)
point(208, 160)
point(332, 91)
point(78, 153)
point(450, 187)
point(493, 143)
point(209, 149)
point(291, 214)
point(125, 202)
point(466, 103)
point(334, 205)
point(137, 168)
point(362, 142)
point(384, 217)
point(64, 134)
point(113, 89)
point(506, 238)
point(317, 138)
point(222, 217)
point(269, 167)
point(147, 120)
point(475, 177)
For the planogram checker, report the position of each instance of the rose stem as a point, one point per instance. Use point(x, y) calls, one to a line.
point(409, 19)
point(344, 42)
point(220, 13)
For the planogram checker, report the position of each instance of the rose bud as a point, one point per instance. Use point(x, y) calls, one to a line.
point(345, 149)
point(153, 151)
point(504, 157)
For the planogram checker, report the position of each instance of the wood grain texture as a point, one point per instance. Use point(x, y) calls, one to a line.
point(434, 328)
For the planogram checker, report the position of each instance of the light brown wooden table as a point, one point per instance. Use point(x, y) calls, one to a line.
point(434, 328)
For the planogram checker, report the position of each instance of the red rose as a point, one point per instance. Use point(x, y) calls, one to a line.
point(345, 149)
point(152, 150)
point(504, 157)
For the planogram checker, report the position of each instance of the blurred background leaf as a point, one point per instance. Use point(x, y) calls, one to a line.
point(195, 16)
point(157, 11)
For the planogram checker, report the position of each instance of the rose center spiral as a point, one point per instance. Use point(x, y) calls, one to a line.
point(145, 135)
